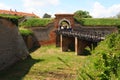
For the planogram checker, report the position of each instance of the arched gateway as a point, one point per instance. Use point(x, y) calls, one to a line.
point(64, 24)
point(63, 21)
point(68, 18)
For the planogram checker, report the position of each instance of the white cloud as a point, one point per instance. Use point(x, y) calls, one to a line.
point(4, 7)
point(62, 11)
point(38, 6)
point(40, 3)
point(101, 11)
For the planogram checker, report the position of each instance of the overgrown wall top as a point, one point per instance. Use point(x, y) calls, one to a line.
point(12, 46)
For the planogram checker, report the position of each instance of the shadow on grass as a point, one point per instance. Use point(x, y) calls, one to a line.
point(34, 48)
point(19, 70)
point(63, 61)
point(86, 53)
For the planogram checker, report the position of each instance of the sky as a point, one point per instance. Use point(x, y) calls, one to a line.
point(96, 8)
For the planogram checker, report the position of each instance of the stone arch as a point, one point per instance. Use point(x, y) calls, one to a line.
point(63, 17)
point(68, 24)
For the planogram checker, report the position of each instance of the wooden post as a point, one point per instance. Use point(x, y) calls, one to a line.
point(57, 40)
point(64, 42)
point(80, 46)
point(61, 41)
point(76, 46)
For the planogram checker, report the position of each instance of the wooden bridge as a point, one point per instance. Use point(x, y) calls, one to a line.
point(77, 38)
point(88, 35)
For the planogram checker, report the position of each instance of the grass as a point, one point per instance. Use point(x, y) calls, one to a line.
point(25, 32)
point(46, 63)
point(10, 16)
point(99, 22)
point(36, 22)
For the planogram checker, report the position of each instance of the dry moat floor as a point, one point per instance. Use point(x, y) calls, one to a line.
point(46, 63)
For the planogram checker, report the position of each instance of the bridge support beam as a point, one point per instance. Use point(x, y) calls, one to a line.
point(71, 43)
point(66, 42)
point(80, 46)
point(57, 40)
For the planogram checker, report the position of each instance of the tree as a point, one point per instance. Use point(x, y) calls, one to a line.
point(82, 14)
point(46, 15)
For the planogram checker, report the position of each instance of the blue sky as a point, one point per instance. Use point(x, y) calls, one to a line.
point(96, 8)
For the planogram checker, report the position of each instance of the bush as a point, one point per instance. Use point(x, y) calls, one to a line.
point(35, 22)
point(25, 32)
point(104, 64)
point(108, 63)
point(118, 28)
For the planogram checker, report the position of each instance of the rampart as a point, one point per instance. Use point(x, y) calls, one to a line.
point(12, 46)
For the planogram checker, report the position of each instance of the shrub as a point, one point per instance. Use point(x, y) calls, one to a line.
point(108, 63)
point(104, 64)
point(33, 22)
point(118, 28)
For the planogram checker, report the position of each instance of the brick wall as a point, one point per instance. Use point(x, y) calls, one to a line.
point(44, 35)
point(60, 17)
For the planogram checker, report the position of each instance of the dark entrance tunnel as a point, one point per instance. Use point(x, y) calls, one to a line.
point(64, 24)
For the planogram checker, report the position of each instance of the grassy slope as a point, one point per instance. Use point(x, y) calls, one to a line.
point(99, 22)
point(104, 63)
point(10, 16)
point(47, 62)
point(35, 22)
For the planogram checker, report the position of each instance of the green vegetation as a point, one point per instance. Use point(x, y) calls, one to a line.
point(35, 22)
point(25, 32)
point(104, 64)
point(82, 14)
point(85, 19)
point(31, 22)
point(12, 18)
point(98, 22)
point(108, 63)
point(46, 63)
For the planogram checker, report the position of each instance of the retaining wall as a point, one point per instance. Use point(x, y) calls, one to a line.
point(12, 46)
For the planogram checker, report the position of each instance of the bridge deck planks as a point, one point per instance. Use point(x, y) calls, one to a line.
point(88, 35)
